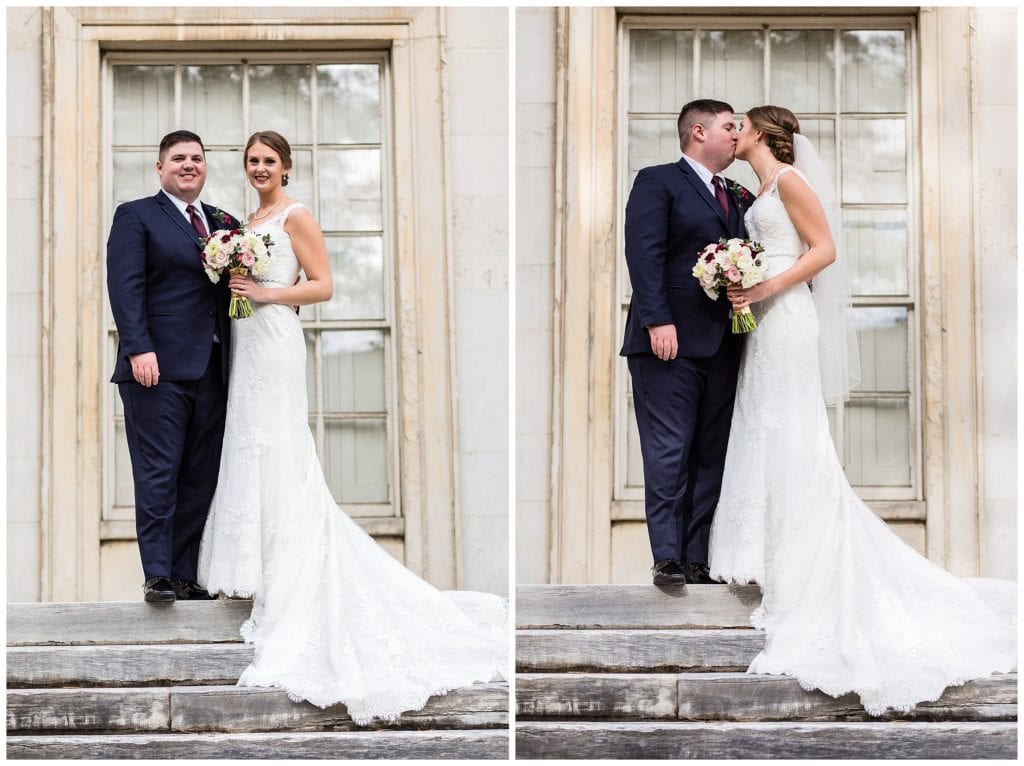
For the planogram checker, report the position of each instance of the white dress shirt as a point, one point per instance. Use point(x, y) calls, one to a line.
point(182, 204)
point(703, 174)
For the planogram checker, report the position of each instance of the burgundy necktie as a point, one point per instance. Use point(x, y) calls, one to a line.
point(720, 195)
point(197, 222)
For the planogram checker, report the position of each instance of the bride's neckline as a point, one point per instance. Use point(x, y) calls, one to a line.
point(268, 219)
point(772, 179)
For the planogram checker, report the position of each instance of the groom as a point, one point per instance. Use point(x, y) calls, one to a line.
point(172, 363)
point(682, 357)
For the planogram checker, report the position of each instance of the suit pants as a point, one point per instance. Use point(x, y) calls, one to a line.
point(684, 412)
point(175, 430)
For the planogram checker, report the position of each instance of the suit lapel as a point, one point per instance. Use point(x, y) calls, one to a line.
point(214, 216)
point(702, 190)
point(179, 220)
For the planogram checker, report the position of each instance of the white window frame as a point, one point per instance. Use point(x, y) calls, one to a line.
point(893, 503)
point(380, 517)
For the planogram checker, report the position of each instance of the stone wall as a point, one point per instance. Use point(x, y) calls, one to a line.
point(994, 67)
point(24, 300)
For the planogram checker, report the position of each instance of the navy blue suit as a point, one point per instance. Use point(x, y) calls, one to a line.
point(683, 406)
point(163, 301)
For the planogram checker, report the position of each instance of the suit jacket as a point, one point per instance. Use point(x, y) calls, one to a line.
point(161, 297)
point(670, 217)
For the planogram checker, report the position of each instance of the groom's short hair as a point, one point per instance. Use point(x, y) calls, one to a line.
point(696, 112)
point(179, 137)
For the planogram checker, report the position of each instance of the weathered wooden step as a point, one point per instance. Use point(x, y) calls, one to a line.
point(736, 697)
point(139, 665)
point(231, 709)
point(716, 741)
point(128, 622)
point(635, 606)
point(483, 744)
point(638, 651)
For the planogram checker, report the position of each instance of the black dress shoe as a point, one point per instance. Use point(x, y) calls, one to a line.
point(190, 590)
point(668, 572)
point(698, 574)
point(158, 590)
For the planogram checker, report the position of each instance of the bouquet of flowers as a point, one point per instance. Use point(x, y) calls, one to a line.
point(240, 251)
point(731, 262)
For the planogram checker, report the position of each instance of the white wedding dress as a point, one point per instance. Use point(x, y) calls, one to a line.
point(847, 606)
point(335, 618)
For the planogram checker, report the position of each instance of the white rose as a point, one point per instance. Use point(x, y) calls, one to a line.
point(744, 261)
point(751, 278)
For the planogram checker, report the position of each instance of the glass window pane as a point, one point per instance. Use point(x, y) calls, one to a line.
point(732, 66)
point(357, 264)
point(874, 71)
point(874, 161)
point(803, 69)
point(882, 338)
point(660, 69)
point(300, 178)
point(211, 103)
point(822, 134)
point(878, 442)
point(353, 371)
point(350, 191)
point(124, 486)
point(135, 175)
point(279, 99)
point(875, 242)
point(143, 104)
point(355, 460)
point(652, 142)
point(225, 182)
point(349, 103)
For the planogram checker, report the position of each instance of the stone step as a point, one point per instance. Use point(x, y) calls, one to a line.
point(139, 665)
point(491, 744)
point(736, 697)
point(716, 741)
point(231, 709)
point(637, 651)
point(635, 606)
point(130, 622)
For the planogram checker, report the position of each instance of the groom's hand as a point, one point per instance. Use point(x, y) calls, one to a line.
point(663, 341)
point(145, 369)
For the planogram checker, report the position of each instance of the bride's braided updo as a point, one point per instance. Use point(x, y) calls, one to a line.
point(275, 141)
point(778, 125)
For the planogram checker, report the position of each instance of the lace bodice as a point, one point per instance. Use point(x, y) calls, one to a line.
point(284, 266)
point(768, 223)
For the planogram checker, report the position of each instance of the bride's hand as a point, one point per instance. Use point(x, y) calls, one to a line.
point(245, 287)
point(740, 298)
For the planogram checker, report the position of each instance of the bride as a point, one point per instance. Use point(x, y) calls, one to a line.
point(847, 605)
point(335, 618)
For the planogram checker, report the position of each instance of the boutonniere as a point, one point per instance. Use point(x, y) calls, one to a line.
point(224, 221)
point(745, 197)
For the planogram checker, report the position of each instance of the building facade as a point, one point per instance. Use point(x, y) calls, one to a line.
point(398, 121)
point(915, 110)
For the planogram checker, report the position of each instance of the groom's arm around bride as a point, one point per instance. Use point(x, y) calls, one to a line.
point(171, 366)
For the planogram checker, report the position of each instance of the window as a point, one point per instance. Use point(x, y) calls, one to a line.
point(849, 83)
point(332, 109)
